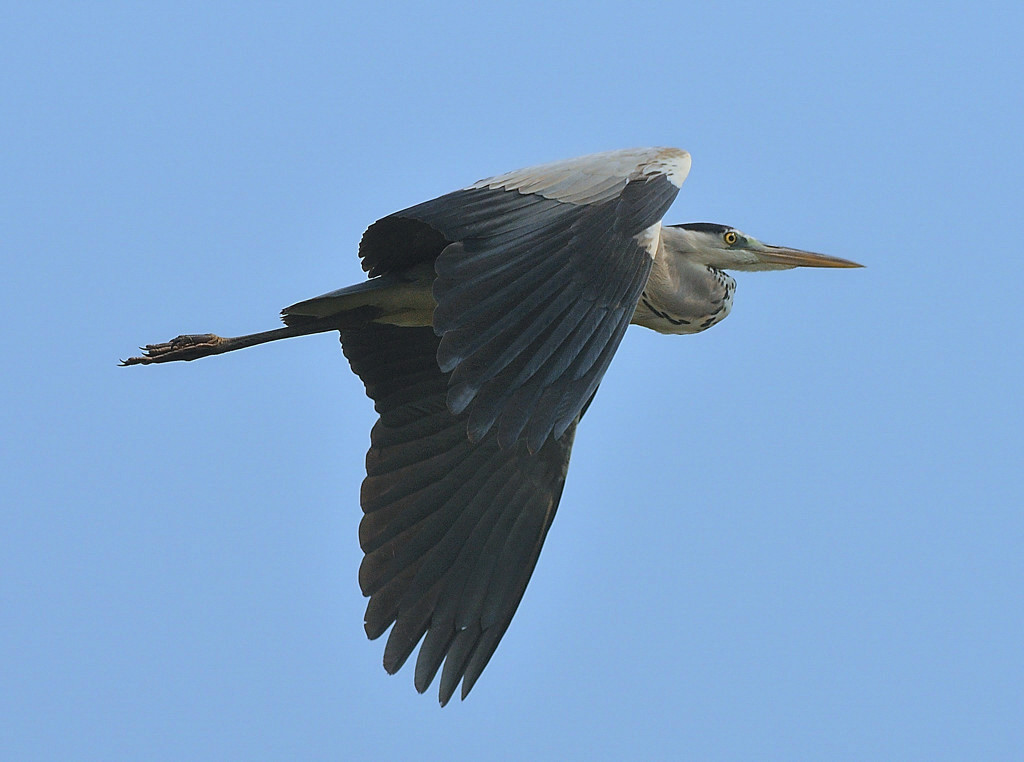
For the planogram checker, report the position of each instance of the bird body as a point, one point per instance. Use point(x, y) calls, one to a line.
point(488, 321)
point(682, 295)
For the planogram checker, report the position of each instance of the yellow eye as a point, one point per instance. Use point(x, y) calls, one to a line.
point(730, 237)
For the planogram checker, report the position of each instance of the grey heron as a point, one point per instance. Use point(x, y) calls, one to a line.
point(489, 317)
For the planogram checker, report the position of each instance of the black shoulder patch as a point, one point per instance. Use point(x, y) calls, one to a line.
point(395, 243)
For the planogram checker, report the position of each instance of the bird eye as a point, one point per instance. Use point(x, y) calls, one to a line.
point(730, 237)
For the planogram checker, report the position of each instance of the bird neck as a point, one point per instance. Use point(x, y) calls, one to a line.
point(683, 295)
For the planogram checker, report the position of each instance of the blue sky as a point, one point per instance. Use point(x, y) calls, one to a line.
point(797, 535)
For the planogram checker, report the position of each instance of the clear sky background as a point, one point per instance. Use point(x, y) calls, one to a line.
point(798, 535)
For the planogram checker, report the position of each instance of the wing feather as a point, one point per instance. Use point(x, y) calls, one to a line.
point(439, 512)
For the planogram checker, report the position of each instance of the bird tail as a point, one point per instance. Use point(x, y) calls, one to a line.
point(403, 298)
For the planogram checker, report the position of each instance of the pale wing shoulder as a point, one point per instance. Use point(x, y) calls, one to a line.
point(596, 177)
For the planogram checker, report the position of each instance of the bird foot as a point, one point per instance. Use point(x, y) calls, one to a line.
point(189, 347)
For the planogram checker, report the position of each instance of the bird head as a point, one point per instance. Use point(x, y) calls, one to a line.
point(726, 248)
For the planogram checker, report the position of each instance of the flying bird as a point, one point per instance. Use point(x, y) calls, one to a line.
point(488, 319)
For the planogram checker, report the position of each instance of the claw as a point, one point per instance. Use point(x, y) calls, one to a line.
point(187, 347)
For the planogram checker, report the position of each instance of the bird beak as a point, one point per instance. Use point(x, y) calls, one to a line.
point(780, 256)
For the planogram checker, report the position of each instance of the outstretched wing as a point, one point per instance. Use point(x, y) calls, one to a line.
point(451, 528)
point(538, 274)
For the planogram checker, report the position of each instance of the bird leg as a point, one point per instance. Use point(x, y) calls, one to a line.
point(196, 345)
